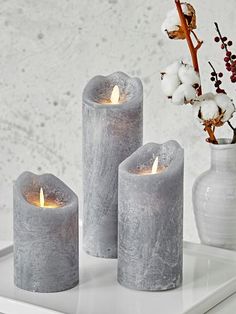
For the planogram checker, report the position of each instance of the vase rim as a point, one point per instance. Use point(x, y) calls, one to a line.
point(223, 143)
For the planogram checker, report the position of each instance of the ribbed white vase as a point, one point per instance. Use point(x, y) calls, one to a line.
point(214, 198)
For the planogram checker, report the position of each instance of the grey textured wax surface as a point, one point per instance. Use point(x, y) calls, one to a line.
point(45, 239)
point(151, 219)
point(110, 134)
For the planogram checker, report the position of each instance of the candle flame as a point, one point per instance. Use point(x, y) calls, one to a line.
point(115, 95)
point(41, 198)
point(155, 165)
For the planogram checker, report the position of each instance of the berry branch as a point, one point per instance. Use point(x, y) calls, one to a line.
point(215, 78)
point(230, 59)
point(230, 64)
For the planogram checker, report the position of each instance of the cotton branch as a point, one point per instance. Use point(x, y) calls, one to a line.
point(193, 51)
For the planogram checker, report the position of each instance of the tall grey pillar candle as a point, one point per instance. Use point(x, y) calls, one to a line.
point(111, 132)
point(45, 238)
point(151, 218)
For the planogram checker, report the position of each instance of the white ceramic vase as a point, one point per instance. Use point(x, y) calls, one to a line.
point(214, 198)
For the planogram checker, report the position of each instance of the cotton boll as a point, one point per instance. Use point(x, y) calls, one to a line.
point(197, 112)
point(174, 13)
point(226, 105)
point(185, 8)
point(170, 24)
point(189, 10)
point(200, 99)
point(183, 94)
point(173, 68)
point(172, 30)
point(207, 96)
point(209, 110)
point(188, 75)
point(169, 84)
point(213, 109)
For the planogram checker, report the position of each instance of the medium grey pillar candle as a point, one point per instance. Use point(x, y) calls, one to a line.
point(45, 238)
point(111, 132)
point(151, 218)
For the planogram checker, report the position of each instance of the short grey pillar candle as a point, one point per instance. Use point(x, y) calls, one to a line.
point(45, 238)
point(111, 132)
point(151, 218)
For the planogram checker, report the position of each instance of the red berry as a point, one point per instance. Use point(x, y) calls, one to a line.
point(230, 43)
point(220, 91)
point(228, 53)
point(227, 64)
point(217, 83)
point(226, 59)
point(222, 46)
point(220, 74)
point(217, 39)
point(224, 38)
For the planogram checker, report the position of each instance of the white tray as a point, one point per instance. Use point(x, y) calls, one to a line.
point(209, 277)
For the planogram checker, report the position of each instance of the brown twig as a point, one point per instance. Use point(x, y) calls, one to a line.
point(234, 130)
point(199, 42)
point(211, 134)
point(193, 51)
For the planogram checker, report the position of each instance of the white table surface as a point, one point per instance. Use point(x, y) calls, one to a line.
point(209, 276)
point(228, 306)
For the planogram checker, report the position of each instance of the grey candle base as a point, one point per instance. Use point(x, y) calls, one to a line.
point(139, 287)
point(106, 247)
point(45, 239)
point(110, 134)
point(150, 220)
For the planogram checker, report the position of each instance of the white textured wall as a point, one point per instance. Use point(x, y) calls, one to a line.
point(48, 51)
